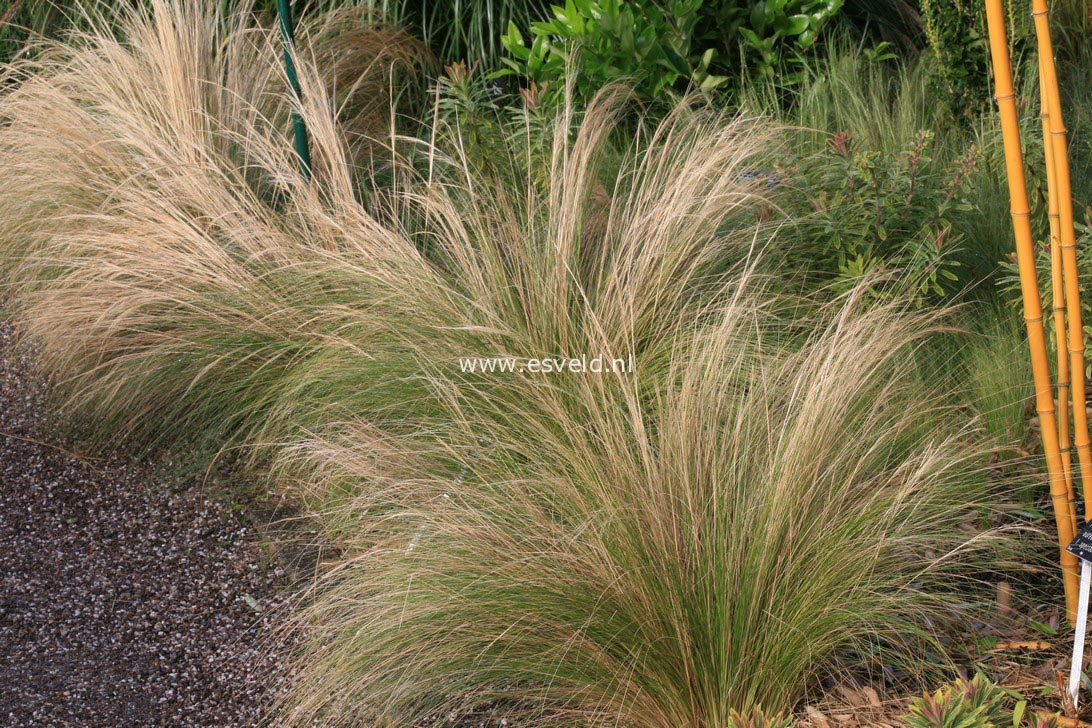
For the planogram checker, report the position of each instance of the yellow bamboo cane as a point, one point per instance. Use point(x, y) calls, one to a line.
point(1068, 246)
point(1029, 287)
point(1059, 306)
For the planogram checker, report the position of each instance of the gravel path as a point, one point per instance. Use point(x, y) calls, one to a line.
point(123, 602)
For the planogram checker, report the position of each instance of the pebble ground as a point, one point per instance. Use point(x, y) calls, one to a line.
point(124, 600)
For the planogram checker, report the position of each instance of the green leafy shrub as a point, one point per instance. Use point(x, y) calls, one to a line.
point(768, 35)
point(647, 44)
point(859, 111)
point(660, 47)
point(877, 211)
point(469, 119)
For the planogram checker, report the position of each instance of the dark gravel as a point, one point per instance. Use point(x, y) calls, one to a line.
point(124, 601)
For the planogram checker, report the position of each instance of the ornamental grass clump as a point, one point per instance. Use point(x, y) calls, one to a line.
point(156, 236)
point(180, 276)
point(998, 385)
point(600, 555)
point(772, 490)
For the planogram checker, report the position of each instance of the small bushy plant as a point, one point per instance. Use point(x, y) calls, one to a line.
point(879, 177)
point(648, 45)
point(974, 703)
point(875, 211)
point(667, 46)
point(758, 718)
point(468, 118)
point(769, 36)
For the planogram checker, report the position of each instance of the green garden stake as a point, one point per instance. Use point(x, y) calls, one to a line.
point(284, 11)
